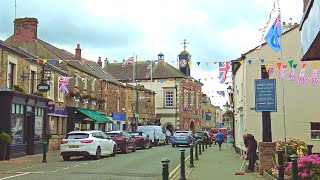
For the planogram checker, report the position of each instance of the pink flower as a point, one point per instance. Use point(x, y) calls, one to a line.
point(304, 175)
point(300, 166)
point(312, 173)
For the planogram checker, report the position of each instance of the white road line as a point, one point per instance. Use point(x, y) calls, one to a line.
point(32, 172)
point(66, 168)
point(15, 176)
point(76, 165)
point(54, 171)
point(85, 163)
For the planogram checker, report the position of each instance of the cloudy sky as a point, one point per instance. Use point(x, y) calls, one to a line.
point(217, 30)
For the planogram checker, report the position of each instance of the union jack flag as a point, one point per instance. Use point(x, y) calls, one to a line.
point(277, 22)
point(221, 93)
point(223, 70)
point(130, 60)
point(64, 84)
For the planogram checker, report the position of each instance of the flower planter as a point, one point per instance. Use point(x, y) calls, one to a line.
point(268, 176)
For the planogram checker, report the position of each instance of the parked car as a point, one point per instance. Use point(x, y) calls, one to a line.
point(155, 133)
point(203, 134)
point(214, 131)
point(88, 144)
point(142, 140)
point(124, 141)
point(181, 138)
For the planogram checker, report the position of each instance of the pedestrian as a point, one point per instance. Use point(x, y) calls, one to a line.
point(219, 139)
point(230, 139)
point(251, 153)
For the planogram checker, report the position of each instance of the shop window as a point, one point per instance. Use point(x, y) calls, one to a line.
point(38, 128)
point(17, 125)
point(53, 125)
point(315, 130)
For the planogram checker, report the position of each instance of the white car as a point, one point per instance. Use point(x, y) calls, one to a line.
point(87, 143)
point(155, 133)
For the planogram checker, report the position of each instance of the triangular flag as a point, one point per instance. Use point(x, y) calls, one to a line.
point(139, 60)
point(38, 61)
point(284, 66)
point(52, 61)
point(142, 81)
point(262, 60)
point(123, 60)
point(161, 81)
point(295, 65)
point(189, 63)
point(115, 61)
point(240, 61)
point(290, 63)
point(60, 61)
point(192, 80)
point(81, 61)
point(304, 65)
point(315, 65)
point(279, 66)
point(249, 61)
point(44, 61)
point(267, 67)
point(180, 81)
point(156, 62)
point(207, 63)
point(198, 63)
point(215, 62)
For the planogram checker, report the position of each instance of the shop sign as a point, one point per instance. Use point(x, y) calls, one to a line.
point(57, 110)
point(31, 102)
point(43, 87)
point(118, 116)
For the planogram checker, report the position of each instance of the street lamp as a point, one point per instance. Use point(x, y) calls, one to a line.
point(229, 89)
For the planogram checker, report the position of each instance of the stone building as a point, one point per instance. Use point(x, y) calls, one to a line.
point(208, 113)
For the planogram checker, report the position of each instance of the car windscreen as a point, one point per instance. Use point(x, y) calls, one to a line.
point(77, 136)
point(114, 134)
point(136, 134)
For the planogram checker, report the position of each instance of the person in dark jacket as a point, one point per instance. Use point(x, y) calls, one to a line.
point(251, 153)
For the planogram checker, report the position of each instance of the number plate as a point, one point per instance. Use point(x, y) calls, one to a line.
point(180, 138)
point(73, 146)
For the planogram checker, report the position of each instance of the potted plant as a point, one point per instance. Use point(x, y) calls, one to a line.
point(19, 88)
point(37, 93)
point(5, 140)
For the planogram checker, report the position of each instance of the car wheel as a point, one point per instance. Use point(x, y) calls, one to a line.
point(172, 145)
point(114, 151)
point(125, 149)
point(98, 154)
point(134, 148)
point(66, 158)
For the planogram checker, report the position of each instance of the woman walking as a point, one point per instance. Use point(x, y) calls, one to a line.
point(219, 139)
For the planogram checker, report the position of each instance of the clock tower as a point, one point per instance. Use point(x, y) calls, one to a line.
point(184, 58)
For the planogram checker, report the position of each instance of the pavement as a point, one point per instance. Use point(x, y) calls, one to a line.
point(216, 164)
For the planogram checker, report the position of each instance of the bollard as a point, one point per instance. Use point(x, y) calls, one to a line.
point(203, 144)
point(294, 159)
point(206, 143)
point(165, 168)
point(44, 152)
point(280, 163)
point(310, 149)
point(210, 142)
point(182, 166)
point(199, 144)
point(196, 150)
point(191, 156)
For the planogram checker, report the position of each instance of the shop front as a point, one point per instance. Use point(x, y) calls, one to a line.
point(119, 121)
point(57, 117)
point(85, 119)
point(23, 117)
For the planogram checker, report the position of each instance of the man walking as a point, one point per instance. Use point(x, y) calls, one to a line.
point(251, 153)
point(219, 139)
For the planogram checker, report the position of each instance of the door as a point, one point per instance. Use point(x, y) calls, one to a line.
point(107, 143)
point(30, 123)
point(129, 139)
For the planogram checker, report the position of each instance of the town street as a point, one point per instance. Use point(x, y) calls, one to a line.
point(142, 164)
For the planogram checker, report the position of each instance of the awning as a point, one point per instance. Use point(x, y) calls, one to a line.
point(94, 115)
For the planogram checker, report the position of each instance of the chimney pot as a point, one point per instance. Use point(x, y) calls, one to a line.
point(295, 24)
point(99, 62)
point(78, 52)
point(284, 23)
point(25, 29)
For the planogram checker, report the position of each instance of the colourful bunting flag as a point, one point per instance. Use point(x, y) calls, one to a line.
point(189, 63)
point(198, 63)
point(304, 65)
point(262, 60)
point(295, 65)
point(315, 65)
point(44, 61)
point(315, 79)
point(292, 75)
point(249, 61)
point(279, 66)
point(271, 70)
point(207, 63)
point(267, 67)
point(290, 63)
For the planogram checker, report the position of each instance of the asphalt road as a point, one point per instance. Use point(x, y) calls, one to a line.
point(142, 165)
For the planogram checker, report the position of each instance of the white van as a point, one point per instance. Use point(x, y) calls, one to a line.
point(155, 133)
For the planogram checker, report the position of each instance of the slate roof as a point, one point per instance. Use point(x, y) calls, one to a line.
point(25, 54)
point(160, 70)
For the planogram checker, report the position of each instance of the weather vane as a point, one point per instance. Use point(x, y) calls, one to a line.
point(184, 42)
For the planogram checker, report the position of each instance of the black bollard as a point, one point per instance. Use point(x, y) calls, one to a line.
point(294, 170)
point(191, 156)
point(182, 166)
point(203, 141)
point(310, 149)
point(210, 142)
point(165, 168)
point(196, 150)
point(280, 163)
point(206, 143)
point(199, 144)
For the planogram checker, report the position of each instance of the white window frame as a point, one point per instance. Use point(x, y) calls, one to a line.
point(185, 98)
point(168, 99)
point(197, 100)
point(50, 93)
point(85, 83)
point(15, 62)
point(76, 80)
point(318, 130)
point(34, 69)
point(92, 85)
point(191, 98)
point(60, 96)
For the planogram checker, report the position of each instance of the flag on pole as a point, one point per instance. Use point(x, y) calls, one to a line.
point(149, 68)
point(223, 70)
point(64, 84)
point(273, 34)
point(129, 61)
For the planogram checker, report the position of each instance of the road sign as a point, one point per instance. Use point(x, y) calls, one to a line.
point(43, 87)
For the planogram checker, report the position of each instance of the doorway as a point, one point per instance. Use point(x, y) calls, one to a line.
point(29, 137)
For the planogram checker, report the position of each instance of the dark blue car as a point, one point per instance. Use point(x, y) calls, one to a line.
point(181, 138)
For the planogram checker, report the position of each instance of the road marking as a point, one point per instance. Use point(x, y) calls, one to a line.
point(32, 172)
point(92, 161)
point(54, 171)
point(76, 165)
point(15, 176)
point(66, 168)
point(85, 163)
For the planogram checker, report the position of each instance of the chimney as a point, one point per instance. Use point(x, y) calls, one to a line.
point(305, 3)
point(99, 62)
point(106, 63)
point(295, 25)
point(78, 52)
point(25, 29)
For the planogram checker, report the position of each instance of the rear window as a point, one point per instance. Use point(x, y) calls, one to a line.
point(114, 134)
point(199, 133)
point(77, 136)
point(136, 134)
point(182, 134)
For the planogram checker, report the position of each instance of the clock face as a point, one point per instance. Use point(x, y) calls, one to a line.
point(183, 62)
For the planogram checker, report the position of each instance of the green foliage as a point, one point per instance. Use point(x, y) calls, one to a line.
point(5, 138)
point(19, 88)
point(37, 93)
point(294, 146)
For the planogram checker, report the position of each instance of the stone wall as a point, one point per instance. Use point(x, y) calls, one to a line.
point(267, 151)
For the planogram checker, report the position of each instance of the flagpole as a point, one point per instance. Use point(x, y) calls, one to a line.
point(283, 98)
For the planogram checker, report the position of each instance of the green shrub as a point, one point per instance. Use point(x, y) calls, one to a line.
point(5, 138)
